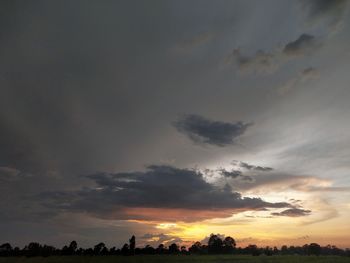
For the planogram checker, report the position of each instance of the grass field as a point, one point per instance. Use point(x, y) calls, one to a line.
point(180, 259)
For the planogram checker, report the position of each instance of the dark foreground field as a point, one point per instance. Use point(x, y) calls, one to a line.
point(180, 259)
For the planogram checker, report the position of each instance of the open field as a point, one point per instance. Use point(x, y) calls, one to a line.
point(180, 259)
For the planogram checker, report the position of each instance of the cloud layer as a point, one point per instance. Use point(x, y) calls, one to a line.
point(143, 195)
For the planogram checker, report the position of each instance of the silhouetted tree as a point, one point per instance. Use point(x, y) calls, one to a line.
point(5, 250)
point(268, 251)
point(314, 249)
point(69, 250)
point(253, 250)
point(99, 248)
point(174, 249)
point(215, 244)
point(132, 244)
point(48, 251)
point(284, 250)
point(73, 246)
point(149, 250)
point(160, 249)
point(196, 248)
point(33, 249)
point(125, 249)
point(229, 245)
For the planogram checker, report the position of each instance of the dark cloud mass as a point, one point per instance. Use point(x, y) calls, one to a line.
point(333, 10)
point(202, 130)
point(293, 212)
point(301, 46)
point(159, 187)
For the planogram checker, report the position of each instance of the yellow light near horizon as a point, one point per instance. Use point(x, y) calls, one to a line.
point(166, 225)
point(195, 231)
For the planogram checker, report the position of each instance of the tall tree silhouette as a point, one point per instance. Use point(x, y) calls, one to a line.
point(5, 249)
point(196, 248)
point(132, 245)
point(174, 249)
point(215, 244)
point(229, 245)
point(125, 249)
point(73, 246)
point(100, 248)
point(314, 249)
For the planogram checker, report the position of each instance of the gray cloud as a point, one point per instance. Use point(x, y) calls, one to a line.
point(260, 62)
point(293, 212)
point(280, 182)
point(310, 72)
point(302, 77)
point(250, 167)
point(159, 187)
point(234, 174)
point(304, 44)
point(331, 10)
point(195, 41)
point(268, 62)
point(202, 130)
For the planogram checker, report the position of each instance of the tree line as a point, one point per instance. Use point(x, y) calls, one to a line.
point(215, 245)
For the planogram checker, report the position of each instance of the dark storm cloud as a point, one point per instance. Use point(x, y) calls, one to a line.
point(251, 166)
point(202, 130)
point(304, 44)
point(70, 99)
point(159, 187)
point(293, 212)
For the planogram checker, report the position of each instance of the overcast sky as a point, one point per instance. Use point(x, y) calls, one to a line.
point(172, 120)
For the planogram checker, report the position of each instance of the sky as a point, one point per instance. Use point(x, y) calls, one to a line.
point(172, 120)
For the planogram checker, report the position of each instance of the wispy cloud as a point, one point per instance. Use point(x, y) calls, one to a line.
point(292, 212)
point(302, 77)
point(267, 62)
